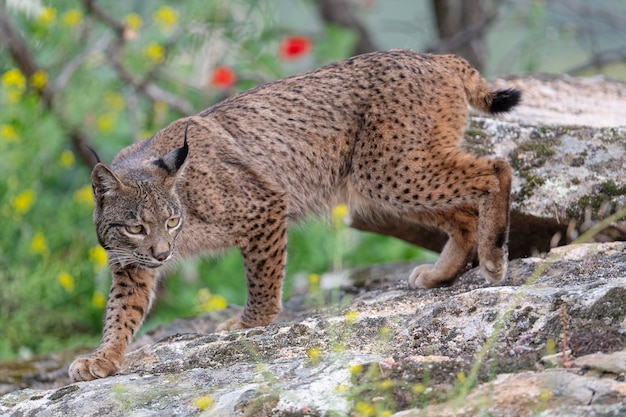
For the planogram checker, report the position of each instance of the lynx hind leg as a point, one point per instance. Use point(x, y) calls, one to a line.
point(459, 250)
point(466, 196)
point(493, 225)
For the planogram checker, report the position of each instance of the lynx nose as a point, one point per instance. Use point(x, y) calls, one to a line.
point(162, 256)
point(161, 251)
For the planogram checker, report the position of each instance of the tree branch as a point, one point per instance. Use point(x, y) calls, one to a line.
point(64, 76)
point(15, 44)
point(463, 37)
point(12, 40)
point(141, 86)
point(600, 60)
point(341, 13)
point(110, 21)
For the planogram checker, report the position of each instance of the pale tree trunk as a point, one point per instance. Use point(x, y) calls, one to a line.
point(462, 26)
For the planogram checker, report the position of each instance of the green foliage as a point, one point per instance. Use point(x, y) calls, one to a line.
point(53, 275)
point(46, 274)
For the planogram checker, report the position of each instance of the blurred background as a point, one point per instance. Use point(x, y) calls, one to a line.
point(109, 72)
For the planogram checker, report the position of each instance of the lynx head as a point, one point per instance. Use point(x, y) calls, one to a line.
point(137, 211)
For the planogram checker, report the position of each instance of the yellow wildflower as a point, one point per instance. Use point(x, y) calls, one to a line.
point(14, 85)
point(66, 281)
point(13, 80)
point(203, 402)
point(166, 18)
point(418, 388)
point(314, 283)
point(66, 160)
point(550, 347)
point(154, 52)
point(47, 16)
point(8, 133)
point(83, 195)
point(133, 21)
point(314, 354)
point(351, 316)
point(356, 368)
point(98, 256)
point(385, 413)
point(338, 214)
point(38, 244)
point(98, 300)
point(106, 122)
point(72, 18)
point(23, 201)
point(216, 302)
point(385, 384)
point(208, 302)
point(384, 331)
point(314, 279)
point(461, 376)
point(364, 409)
point(39, 79)
point(114, 101)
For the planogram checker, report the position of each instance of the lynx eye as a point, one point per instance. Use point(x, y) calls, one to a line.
point(135, 230)
point(173, 222)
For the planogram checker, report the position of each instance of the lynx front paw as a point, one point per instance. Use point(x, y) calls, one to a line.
point(232, 324)
point(87, 369)
point(419, 275)
point(429, 276)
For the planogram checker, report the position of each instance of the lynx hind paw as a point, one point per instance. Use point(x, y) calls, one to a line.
point(494, 270)
point(88, 369)
point(419, 276)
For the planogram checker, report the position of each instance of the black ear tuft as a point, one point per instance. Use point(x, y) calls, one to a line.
point(94, 153)
point(174, 160)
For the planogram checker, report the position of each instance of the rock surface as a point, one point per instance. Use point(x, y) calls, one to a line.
point(548, 341)
point(377, 346)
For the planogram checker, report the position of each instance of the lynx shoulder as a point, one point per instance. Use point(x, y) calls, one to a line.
point(379, 132)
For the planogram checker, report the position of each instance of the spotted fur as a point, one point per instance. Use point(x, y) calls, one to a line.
point(379, 132)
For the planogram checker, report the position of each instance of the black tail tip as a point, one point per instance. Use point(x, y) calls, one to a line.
point(505, 100)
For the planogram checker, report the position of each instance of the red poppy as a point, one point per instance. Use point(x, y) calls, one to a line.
point(293, 47)
point(223, 77)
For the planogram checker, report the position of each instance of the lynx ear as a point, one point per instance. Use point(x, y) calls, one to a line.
point(173, 161)
point(104, 181)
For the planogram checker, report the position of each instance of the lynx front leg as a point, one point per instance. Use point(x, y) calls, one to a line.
point(264, 256)
point(129, 300)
